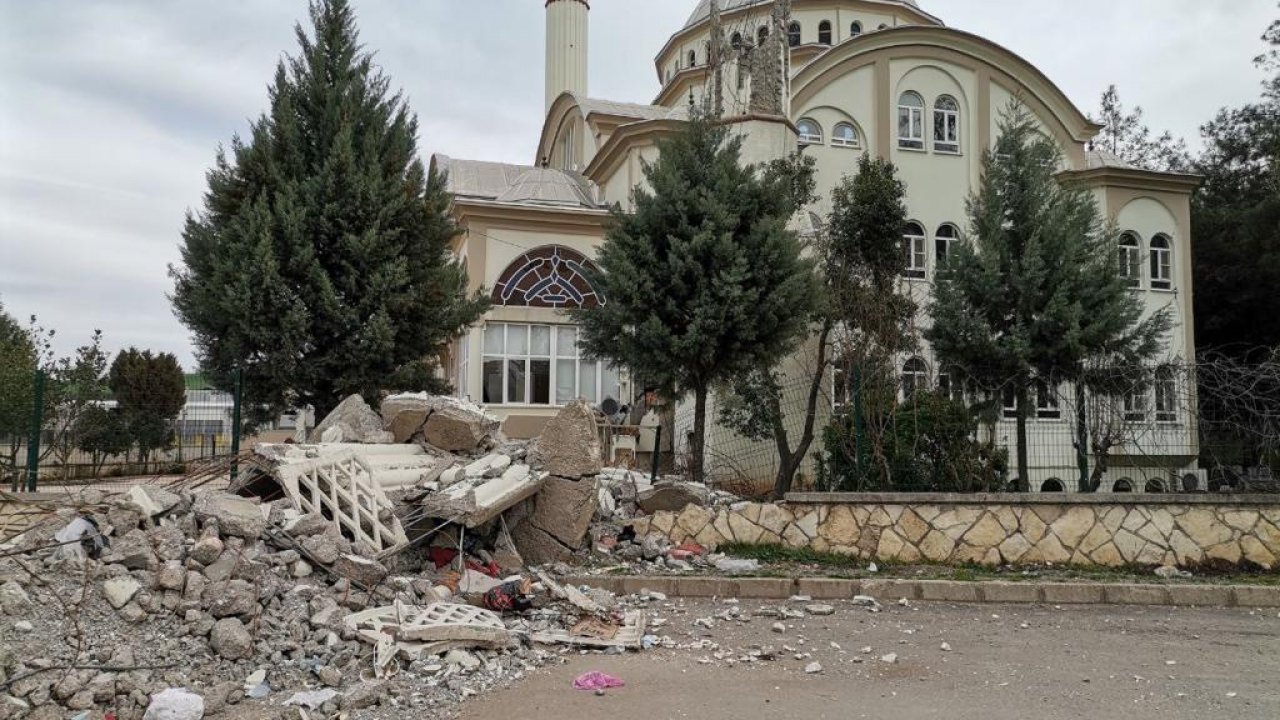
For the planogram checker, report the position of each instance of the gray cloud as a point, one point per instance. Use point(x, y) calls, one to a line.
point(110, 111)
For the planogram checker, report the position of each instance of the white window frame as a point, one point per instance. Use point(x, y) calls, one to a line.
point(1048, 404)
point(795, 34)
point(570, 159)
point(1130, 258)
point(948, 141)
point(944, 244)
point(1135, 405)
point(809, 138)
point(599, 386)
point(914, 118)
point(1161, 263)
point(915, 247)
point(837, 141)
point(855, 29)
point(914, 378)
point(464, 366)
point(829, 31)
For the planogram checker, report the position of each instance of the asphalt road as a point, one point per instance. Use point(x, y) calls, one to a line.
point(1015, 662)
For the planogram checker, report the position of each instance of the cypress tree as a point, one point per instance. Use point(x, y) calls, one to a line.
point(704, 281)
point(1037, 294)
point(320, 262)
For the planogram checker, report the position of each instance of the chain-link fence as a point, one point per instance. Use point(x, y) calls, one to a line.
point(1212, 425)
point(53, 435)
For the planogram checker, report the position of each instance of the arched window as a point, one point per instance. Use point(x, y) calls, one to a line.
point(1052, 485)
point(911, 121)
point(693, 58)
point(793, 34)
point(1131, 259)
point(1135, 402)
point(824, 32)
point(946, 125)
point(736, 41)
point(1123, 485)
point(945, 239)
point(550, 276)
point(810, 132)
point(844, 135)
point(762, 35)
point(1161, 263)
point(1166, 395)
point(1154, 485)
point(915, 376)
point(855, 29)
point(913, 243)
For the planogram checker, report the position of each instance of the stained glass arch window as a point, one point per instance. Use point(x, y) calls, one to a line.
point(549, 276)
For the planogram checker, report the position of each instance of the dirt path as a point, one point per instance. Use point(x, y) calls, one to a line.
point(1097, 662)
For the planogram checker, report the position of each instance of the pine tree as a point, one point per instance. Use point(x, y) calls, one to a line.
point(703, 280)
point(1037, 294)
point(320, 262)
point(150, 391)
point(1125, 135)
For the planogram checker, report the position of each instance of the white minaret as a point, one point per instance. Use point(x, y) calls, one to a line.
point(566, 47)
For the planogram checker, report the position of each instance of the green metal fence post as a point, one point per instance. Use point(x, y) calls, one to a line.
point(238, 379)
point(33, 438)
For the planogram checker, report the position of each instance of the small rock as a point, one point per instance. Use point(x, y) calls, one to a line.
point(945, 647)
point(813, 668)
point(175, 704)
point(13, 598)
point(231, 640)
point(779, 627)
point(330, 676)
point(23, 626)
point(891, 658)
point(865, 600)
point(819, 609)
point(873, 568)
point(120, 590)
point(1167, 571)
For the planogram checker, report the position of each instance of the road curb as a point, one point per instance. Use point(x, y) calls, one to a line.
point(954, 591)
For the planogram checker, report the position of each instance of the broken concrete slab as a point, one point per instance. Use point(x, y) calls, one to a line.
point(564, 509)
point(235, 515)
point(404, 415)
point(457, 425)
point(537, 547)
point(629, 636)
point(152, 501)
point(570, 443)
point(671, 497)
point(120, 590)
point(351, 421)
point(429, 625)
point(361, 571)
point(340, 487)
point(475, 502)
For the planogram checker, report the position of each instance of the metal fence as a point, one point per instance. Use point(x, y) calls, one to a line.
point(69, 440)
point(1212, 425)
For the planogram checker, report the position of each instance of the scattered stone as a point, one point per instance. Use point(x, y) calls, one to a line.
point(120, 590)
point(231, 640)
point(779, 627)
point(1167, 572)
point(352, 421)
point(671, 497)
point(312, 699)
point(813, 668)
point(24, 626)
point(361, 571)
point(737, 566)
point(234, 515)
point(819, 609)
point(945, 647)
point(890, 658)
point(865, 601)
point(13, 598)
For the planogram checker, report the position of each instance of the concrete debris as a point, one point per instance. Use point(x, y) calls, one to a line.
point(312, 699)
point(175, 704)
point(671, 497)
point(819, 609)
point(737, 566)
point(235, 516)
point(352, 421)
point(475, 501)
point(570, 443)
point(813, 668)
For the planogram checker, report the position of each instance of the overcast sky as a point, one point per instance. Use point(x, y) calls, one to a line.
point(111, 110)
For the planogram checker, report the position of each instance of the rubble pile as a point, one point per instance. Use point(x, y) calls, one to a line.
point(404, 558)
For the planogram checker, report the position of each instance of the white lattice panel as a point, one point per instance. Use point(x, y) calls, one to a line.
point(341, 488)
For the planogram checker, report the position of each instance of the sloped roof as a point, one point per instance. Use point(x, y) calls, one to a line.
point(630, 110)
point(515, 184)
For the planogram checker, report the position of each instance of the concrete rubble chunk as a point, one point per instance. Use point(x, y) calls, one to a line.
point(671, 497)
point(537, 547)
point(455, 425)
point(120, 590)
point(564, 509)
point(410, 625)
point(312, 699)
point(175, 704)
point(341, 487)
point(477, 501)
point(361, 571)
point(13, 598)
point(152, 501)
point(231, 640)
point(236, 516)
point(404, 415)
point(570, 443)
point(351, 421)
point(235, 597)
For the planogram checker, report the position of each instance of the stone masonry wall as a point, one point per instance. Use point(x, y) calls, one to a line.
point(1094, 531)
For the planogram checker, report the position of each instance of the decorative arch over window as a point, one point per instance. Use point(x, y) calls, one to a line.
point(693, 58)
point(824, 32)
point(793, 34)
point(810, 132)
point(911, 121)
point(855, 29)
point(1131, 259)
point(762, 35)
point(1161, 263)
point(943, 242)
point(946, 125)
point(844, 135)
point(915, 376)
point(550, 276)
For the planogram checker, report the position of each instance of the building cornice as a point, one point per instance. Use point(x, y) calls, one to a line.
point(533, 217)
point(1134, 179)
point(614, 151)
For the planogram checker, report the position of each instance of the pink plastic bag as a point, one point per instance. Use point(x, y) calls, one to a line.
point(596, 680)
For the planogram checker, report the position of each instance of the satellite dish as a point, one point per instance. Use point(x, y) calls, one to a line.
point(609, 407)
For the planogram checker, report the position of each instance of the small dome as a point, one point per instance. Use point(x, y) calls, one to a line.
point(703, 11)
